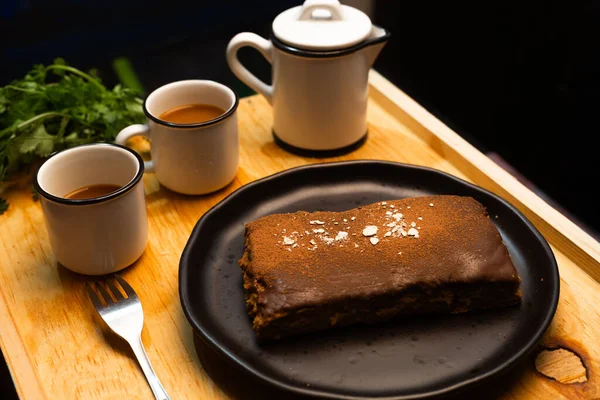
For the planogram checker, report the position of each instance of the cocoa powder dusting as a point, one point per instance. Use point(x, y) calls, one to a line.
point(457, 242)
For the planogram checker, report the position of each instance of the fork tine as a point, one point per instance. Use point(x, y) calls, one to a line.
point(128, 289)
point(93, 296)
point(115, 291)
point(104, 293)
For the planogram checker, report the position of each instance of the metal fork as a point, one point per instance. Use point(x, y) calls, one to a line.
point(125, 317)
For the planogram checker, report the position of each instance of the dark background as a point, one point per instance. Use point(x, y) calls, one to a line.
point(519, 80)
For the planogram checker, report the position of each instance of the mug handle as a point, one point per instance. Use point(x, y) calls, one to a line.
point(135, 130)
point(264, 47)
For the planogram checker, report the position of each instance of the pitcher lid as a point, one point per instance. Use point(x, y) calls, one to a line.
point(322, 25)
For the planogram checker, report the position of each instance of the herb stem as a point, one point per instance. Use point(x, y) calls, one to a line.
point(77, 72)
point(38, 117)
point(22, 90)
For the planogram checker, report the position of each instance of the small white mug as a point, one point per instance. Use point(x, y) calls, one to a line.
point(100, 235)
point(194, 158)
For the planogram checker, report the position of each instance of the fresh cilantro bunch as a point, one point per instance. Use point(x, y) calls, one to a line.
point(55, 107)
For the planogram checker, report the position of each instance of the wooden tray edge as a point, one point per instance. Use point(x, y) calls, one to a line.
point(18, 360)
point(560, 232)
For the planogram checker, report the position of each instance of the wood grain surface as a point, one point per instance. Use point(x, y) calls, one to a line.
point(56, 349)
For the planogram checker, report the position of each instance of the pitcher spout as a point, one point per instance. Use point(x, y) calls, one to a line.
point(375, 43)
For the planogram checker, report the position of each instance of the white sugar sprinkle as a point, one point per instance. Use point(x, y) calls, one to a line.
point(383, 203)
point(374, 241)
point(295, 245)
point(345, 220)
point(369, 230)
point(391, 224)
point(287, 241)
point(420, 218)
point(312, 241)
point(318, 230)
point(413, 224)
point(341, 235)
point(391, 206)
point(387, 234)
point(397, 216)
point(336, 223)
point(317, 222)
point(413, 232)
point(328, 240)
point(388, 213)
point(407, 206)
point(353, 218)
point(355, 245)
point(399, 252)
point(430, 204)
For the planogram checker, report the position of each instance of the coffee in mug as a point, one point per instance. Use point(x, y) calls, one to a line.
point(192, 113)
point(92, 191)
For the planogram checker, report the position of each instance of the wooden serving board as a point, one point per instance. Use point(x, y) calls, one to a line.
point(56, 350)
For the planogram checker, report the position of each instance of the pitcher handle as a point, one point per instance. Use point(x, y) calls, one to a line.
point(264, 47)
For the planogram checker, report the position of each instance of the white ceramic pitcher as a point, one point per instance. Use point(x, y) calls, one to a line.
point(321, 53)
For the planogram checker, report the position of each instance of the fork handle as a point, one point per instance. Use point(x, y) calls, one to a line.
point(138, 349)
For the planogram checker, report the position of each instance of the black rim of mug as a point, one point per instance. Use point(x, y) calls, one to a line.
point(79, 202)
point(213, 121)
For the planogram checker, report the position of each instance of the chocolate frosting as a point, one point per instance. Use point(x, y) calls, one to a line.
point(305, 259)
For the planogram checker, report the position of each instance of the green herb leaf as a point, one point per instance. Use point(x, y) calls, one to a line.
point(55, 107)
point(3, 205)
point(38, 142)
point(35, 196)
point(2, 172)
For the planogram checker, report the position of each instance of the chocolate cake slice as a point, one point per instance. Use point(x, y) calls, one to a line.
point(307, 272)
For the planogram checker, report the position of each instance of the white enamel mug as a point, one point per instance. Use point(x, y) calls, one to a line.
point(99, 235)
point(194, 158)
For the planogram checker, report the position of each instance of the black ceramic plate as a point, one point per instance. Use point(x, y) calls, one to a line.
point(409, 358)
